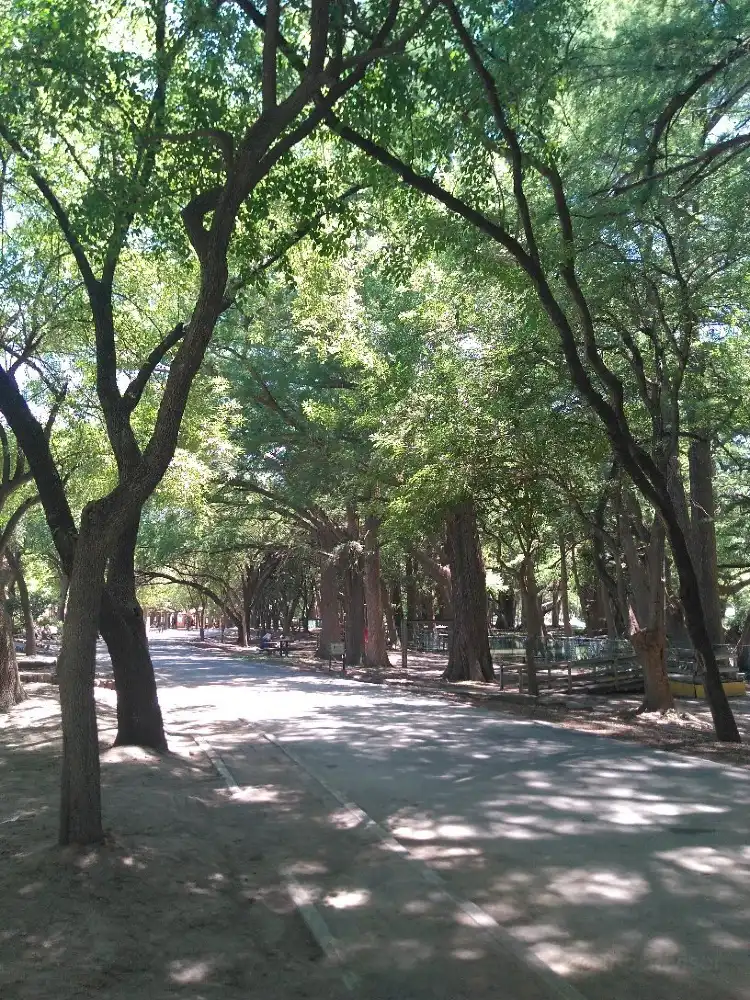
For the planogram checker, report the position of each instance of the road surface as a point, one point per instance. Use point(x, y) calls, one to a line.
point(615, 870)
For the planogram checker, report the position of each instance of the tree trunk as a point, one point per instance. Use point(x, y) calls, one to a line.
point(16, 564)
point(646, 616)
point(412, 595)
point(469, 657)
point(80, 800)
point(533, 618)
point(440, 575)
point(376, 647)
point(725, 724)
point(291, 609)
point(354, 594)
point(243, 633)
point(11, 691)
point(608, 613)
point(555, 609)
point(564, 597)
point(704, 533)
point(390, 616)
point(62, 599)
point(649, 646)
point(329, 607)
point(123, 628)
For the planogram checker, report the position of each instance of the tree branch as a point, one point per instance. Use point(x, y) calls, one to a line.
point(132, 395)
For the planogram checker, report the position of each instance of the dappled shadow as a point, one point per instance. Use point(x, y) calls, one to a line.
point(185, 899)
point(626, 870)
point(623, 869)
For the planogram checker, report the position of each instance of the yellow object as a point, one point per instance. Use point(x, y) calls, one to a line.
point(685, 689)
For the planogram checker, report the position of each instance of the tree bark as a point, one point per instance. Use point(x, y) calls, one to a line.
point(390, 616)
point(292, 608)
point(329, 607)
point(533, 618)
point(608, 612)
point(649, 647)
point(62, 599)
point(646, 615)
point(412, 595)
point(469, 657)
point(80, 799)
point(11, 691)
point(123, 628)
point(564, 596)
point(354, 593)
point(703, 526)
point(439, 574)
point(16, 564)
point(376, 647)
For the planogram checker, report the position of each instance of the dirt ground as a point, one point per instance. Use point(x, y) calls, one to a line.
point(185, 901)
point(686, 730)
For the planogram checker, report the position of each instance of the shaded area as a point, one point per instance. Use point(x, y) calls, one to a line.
point(184, 900)
point(624, 869)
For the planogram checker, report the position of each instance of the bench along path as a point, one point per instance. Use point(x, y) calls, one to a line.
point(623, 870)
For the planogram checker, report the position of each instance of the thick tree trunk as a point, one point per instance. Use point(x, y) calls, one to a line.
point(725, 724)
point(469, 657)
point(123, 628)
point(703, 513)
point(533, 618)
point(329, 607)
point(354, 593)
point(376, 647)
point(80, 800)
point(673, 510)
point(646, 618)
point(11, 691)
point(649, 646)
point(564, 596)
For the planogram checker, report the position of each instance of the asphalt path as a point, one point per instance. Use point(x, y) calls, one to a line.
point(624, 870)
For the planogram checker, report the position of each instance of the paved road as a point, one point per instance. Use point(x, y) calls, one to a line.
point(624, 870)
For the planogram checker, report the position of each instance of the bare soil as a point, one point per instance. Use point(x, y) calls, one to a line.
point(186, 900)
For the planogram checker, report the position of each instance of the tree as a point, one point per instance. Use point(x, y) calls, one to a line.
point(109, 170)
point(516, 144)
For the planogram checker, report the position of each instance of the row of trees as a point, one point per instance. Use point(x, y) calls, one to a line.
point(382, 281)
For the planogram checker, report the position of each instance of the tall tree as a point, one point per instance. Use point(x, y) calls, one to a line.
point(513, 69)
point(108, 170)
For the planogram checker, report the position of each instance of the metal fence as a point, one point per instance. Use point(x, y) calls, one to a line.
point(434, 637)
